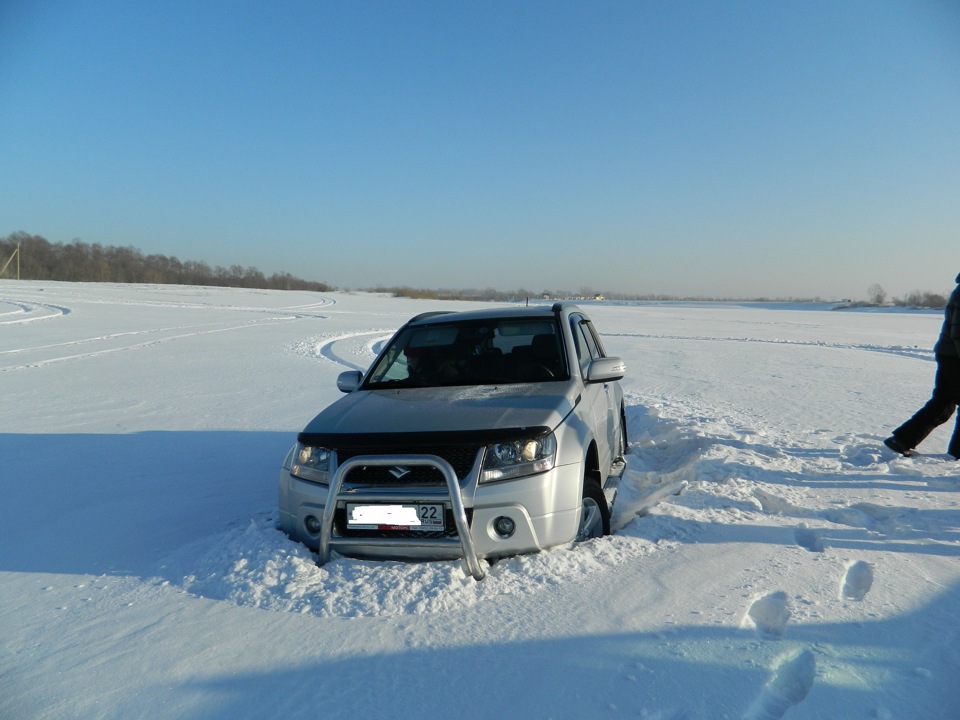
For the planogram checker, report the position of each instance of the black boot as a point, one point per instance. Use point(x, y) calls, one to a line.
point(897, 446)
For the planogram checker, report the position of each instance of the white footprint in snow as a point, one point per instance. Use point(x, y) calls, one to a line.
point(857, 581)
point(788, 686)
point(770, 615)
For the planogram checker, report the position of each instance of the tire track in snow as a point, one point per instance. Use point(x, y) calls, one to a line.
point(324, 303)
point(27, 310)
point(102, 338)
point(176, 334)
point(31, 309)
point(31, 312)
point(20, 307)
point(303, 310)
point(899, 350)
point(344, 349)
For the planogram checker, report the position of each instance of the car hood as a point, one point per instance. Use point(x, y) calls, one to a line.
point(444, 410)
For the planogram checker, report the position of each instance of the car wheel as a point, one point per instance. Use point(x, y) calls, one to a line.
point(594, 514)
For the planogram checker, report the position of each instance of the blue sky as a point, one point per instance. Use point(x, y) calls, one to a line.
point(783, 149)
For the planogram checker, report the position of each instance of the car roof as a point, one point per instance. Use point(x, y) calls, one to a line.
point(532, 311)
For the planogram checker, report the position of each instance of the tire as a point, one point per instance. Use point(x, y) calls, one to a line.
point(594, 513)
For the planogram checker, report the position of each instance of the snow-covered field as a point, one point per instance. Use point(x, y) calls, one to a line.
point(802, 571)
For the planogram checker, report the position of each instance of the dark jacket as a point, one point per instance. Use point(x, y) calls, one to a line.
point(949, 342)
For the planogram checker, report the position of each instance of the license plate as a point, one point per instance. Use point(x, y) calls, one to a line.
point(421, 516)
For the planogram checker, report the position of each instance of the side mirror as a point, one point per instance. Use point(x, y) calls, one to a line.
point(349, 381)
point(606, 370)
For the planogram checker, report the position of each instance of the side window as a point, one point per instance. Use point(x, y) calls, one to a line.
point(596, 349)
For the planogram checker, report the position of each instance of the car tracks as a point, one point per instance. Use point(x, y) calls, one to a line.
point(19, 352)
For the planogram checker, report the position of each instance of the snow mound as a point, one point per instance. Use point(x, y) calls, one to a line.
point(260, 566)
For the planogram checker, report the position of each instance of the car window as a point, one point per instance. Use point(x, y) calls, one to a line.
point(592, 333)
point(477, 352)
point(580, 343)
point(592, 342)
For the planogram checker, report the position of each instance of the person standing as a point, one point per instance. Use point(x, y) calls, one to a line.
point(946, 389)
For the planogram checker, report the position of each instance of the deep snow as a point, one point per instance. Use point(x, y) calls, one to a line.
point(802, 571)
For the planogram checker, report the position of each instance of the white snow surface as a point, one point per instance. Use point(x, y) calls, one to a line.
point(771, 559)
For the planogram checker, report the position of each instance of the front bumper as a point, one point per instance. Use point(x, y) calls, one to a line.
point(545, 510)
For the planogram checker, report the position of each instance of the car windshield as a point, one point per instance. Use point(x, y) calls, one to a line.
point(476, 352)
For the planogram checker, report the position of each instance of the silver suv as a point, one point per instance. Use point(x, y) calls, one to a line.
point(473, 435)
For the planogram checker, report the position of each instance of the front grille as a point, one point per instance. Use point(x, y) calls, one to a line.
point(460, 457)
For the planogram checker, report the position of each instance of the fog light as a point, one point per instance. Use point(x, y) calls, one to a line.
point(312, 524)
point(504, 526)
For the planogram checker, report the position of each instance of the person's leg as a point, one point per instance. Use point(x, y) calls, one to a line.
point(954, 448)
point(939, 407)
point(951, 384)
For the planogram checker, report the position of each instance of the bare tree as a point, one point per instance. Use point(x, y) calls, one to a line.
point(876, 294)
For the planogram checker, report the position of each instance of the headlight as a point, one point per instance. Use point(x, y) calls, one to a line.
point(529, 456)
point(311, 463)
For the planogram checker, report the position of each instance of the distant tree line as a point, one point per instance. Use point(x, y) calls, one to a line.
point(487, 295)
point(82, 262)
point(924, 299)
point(77, 261)
point(490, 294)
point(878, 296)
